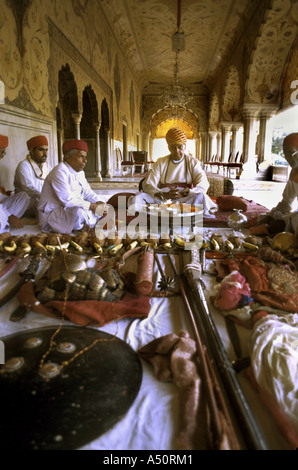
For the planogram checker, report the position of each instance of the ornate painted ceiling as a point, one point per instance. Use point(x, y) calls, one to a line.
point(144, 30)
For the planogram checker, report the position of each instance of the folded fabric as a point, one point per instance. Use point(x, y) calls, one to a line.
point(234, 292)
point(228, 203)
point(87, 312)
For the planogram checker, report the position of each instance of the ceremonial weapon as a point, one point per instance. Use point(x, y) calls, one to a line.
point(25, 276)
point(202, 317)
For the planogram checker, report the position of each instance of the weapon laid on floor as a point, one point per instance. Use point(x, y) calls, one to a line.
point(219, 418)
point(201, 317)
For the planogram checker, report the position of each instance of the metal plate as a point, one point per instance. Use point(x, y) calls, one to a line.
point(69, 410)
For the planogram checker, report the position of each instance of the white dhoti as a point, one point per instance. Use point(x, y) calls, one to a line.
point(12, 205)
point(65, 220)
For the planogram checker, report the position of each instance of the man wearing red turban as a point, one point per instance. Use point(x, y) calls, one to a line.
point(67, 201)
point(177, 176)
point(287, 208)
point(12, 207)
point(31, 172)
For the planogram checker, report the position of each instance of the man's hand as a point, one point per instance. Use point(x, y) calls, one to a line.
point(175, 194)
point(15, 222)
point(96, 209)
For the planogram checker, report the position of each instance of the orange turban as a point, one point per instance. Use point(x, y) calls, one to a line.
point(291, 140)
point(175, 136)
point(37, 142)
point(3, 141)
point(74, 144)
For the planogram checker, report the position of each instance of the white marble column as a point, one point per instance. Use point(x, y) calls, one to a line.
point(265, 137)
point(204, 146)
point(218, 148)
point(235, 139)
point(225, 141)
point(212, 145)
point(77, 119)
point(97, 153)
point(108, 152)
point(60, 132)
point(250, 113)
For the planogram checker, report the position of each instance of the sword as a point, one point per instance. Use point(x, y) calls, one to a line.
point(25, 276)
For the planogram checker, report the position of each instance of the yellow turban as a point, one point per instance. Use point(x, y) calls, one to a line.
point(175, 136)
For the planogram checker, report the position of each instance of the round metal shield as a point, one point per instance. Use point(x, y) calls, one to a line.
point(54, 408)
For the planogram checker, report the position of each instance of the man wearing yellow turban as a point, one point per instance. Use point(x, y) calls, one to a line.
point(177, 176)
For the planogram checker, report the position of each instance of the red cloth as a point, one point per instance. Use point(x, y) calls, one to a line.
point(221, 216)
point(3, 141)
point(228, 202)
point(87, 312)
point(37, 141)
point(255, 272)
point(232, 288)
point(74, 144)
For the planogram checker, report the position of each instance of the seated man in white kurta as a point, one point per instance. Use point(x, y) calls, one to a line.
point(177, 177)
point(286, 210)
point(31, 172)
point(12, 207)
point(67, 201)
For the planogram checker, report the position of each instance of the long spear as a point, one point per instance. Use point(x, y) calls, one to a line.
point(208, 376)
point(201, 316)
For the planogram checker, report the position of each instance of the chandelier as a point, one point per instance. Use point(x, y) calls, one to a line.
point(176, 96)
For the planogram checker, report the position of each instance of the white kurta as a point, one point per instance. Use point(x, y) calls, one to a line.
point(65, 201)
point(287, 208)
point(164, 172)
point(12, 205)
point(29, 177)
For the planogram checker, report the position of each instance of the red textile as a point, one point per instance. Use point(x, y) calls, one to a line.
point(87, 312)
point(232, 288)
point(255, 271)
point(228, 202)
point(221, 216)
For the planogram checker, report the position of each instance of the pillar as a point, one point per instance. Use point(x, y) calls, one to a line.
point(60, 132)
point(108, 152)
point(97, 153)
point(235, 140)
point(212, 145)
point(225, 147)
point(250, 113)
point(204, 146)
point(265, 137)
point(77, 119)
point(218, 148)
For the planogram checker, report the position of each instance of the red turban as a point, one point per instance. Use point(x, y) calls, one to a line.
point(291, 140)
point(175, 136)
point(74, 144)
point(3, 141)
point(37, 142)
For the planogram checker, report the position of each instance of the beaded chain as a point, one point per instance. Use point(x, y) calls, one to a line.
point(82, 351)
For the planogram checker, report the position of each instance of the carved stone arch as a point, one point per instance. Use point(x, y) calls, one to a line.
point(190, 119)
point(90, 112)
point(68, 103)
point(231, 96)
point(214, 113)
point(89, 123)
point(104, 138)
point(274, 42)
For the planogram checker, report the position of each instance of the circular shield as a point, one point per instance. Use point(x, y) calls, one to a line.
point(73, 398)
